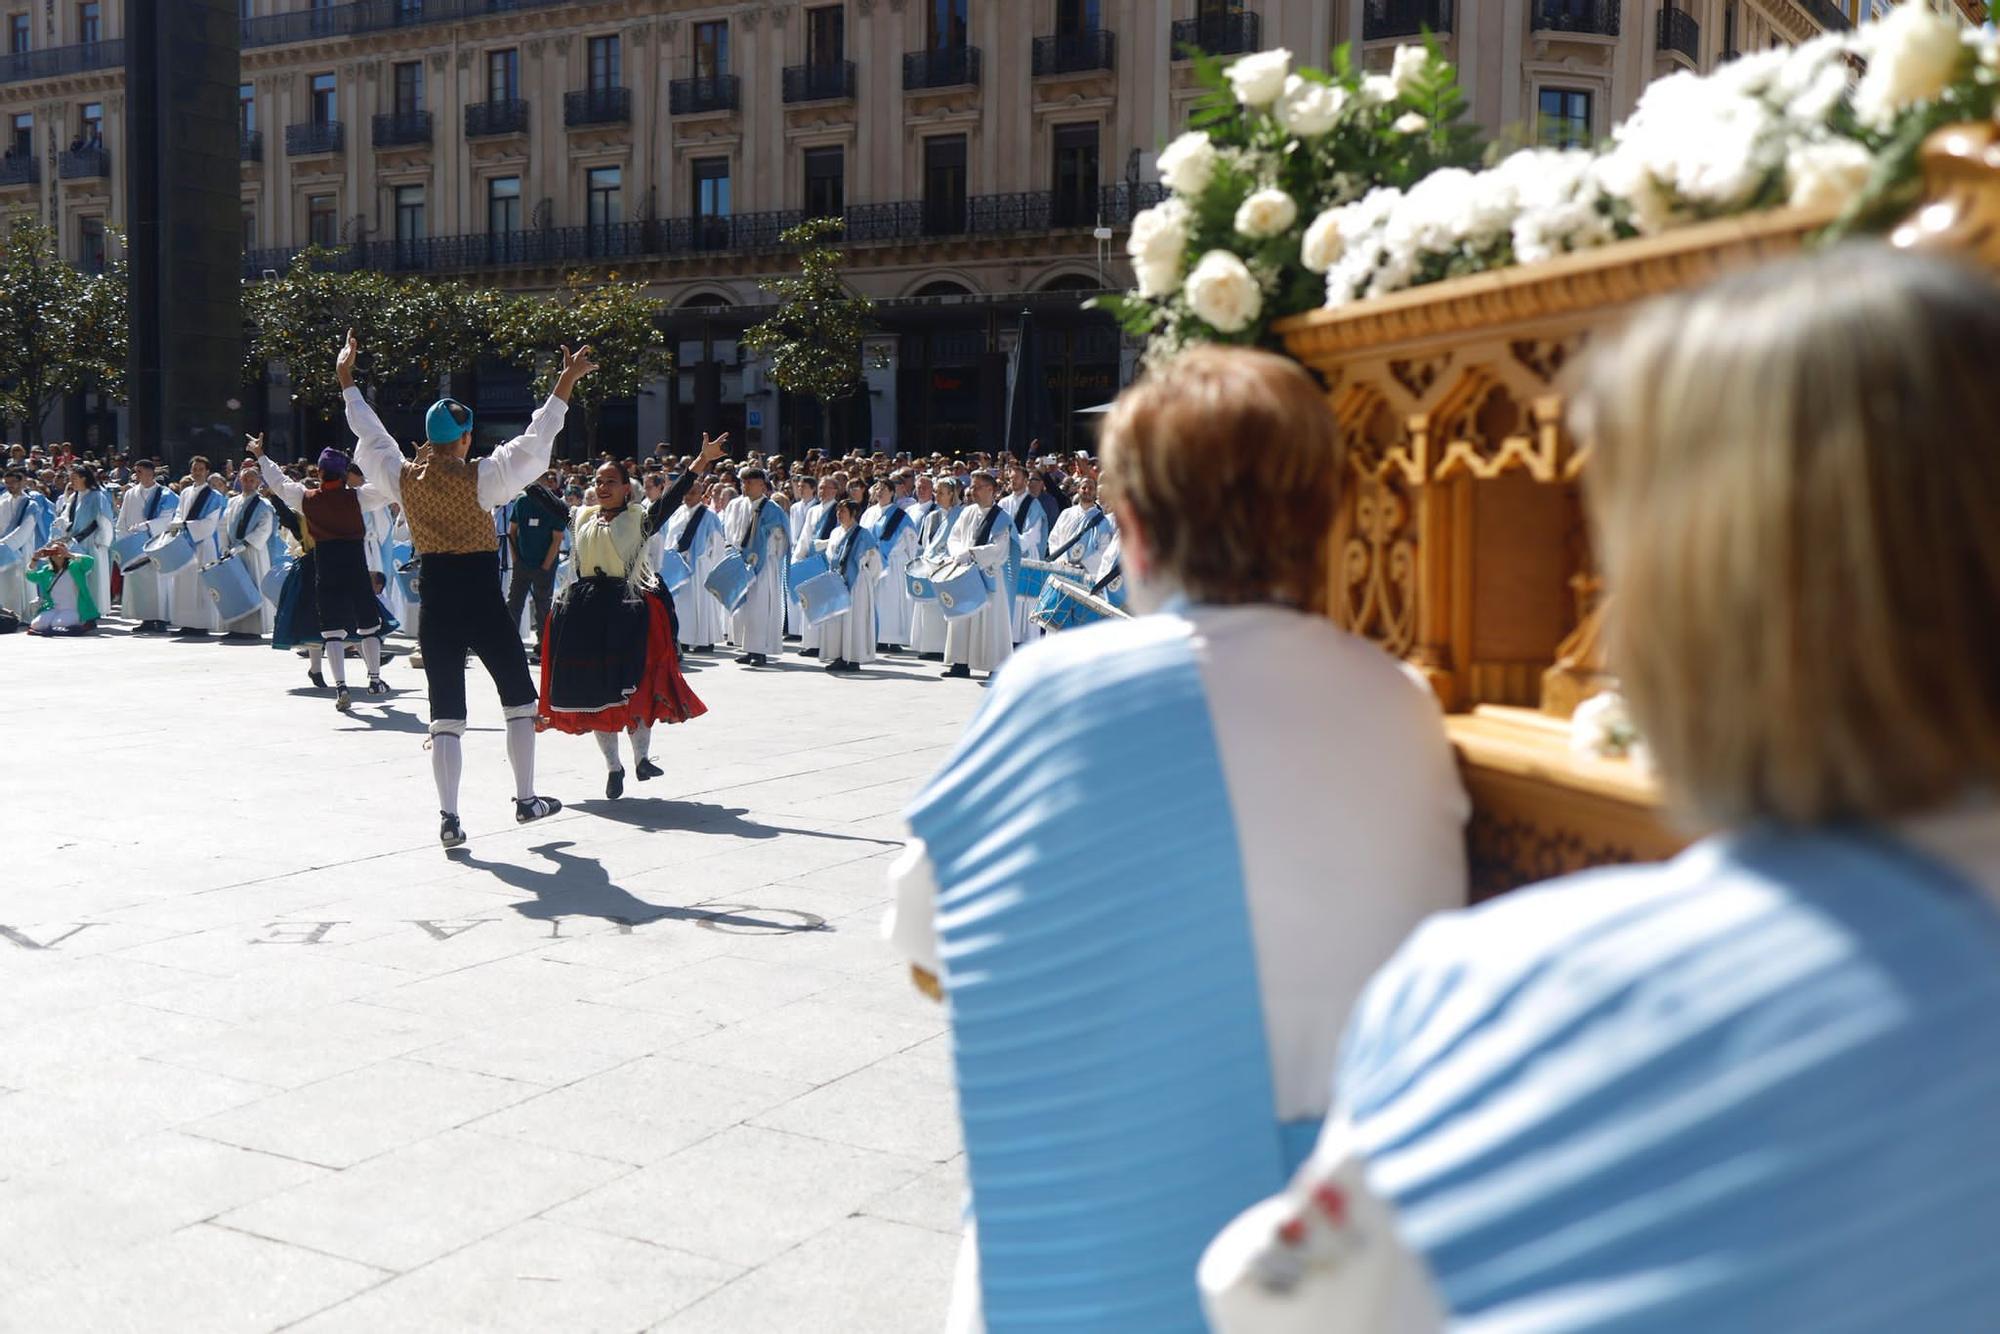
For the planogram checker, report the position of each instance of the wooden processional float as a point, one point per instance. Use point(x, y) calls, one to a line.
point(1462, 546)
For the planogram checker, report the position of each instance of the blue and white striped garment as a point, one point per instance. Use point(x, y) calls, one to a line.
point(1755, 1089)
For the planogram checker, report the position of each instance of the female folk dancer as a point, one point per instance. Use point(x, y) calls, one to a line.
point(611, 662)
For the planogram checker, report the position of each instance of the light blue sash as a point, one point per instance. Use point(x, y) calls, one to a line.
point(1113, 1070)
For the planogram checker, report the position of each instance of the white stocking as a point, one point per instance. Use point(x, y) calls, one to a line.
point(447, 759)
point(642, 741)
point(608, 743)
point(316, 655)
point(521, 754)
point(337, 659)
point(371, 655)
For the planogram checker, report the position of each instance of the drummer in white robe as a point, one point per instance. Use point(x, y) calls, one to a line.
point(1031, 522)
point(147, 506)
point(927, 623)
point(19, 532)
point(200, 516)
point(755, 526)
point(983, 536)
point(895, 530)
point(246, 529)
point(695, 532)
point(818, 526)
point(849, 638)
point(1082, 533)
point(84, 523)
point(797, 515)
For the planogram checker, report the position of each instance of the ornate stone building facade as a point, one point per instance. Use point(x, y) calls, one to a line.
point(987, 154)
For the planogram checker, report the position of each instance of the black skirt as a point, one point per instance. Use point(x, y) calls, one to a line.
point(596, 648)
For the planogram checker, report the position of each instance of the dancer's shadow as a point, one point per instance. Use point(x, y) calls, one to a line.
point(581, 887)
point(658, 814)
point(388, 718)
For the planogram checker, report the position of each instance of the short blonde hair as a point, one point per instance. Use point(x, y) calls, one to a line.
point(1795, 484)
point(1229, 459)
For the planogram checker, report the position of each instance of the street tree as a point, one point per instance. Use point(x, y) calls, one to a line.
point(815, 337)
point(619, 321)
point(62, 331)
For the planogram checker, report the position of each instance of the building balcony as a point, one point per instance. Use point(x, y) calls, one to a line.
point(83, 164)
point(1596, 17)
point(944, 67)
point(831, 81)
point(314, 137)
point(598, 106)
point(306, 24)
point(1680, 34)
point(710, 92)
point(1219, 35)
point(250, 146)
point(1075, 52)
point(54, 60)
point(1830, 17)
point(509, 115)
point(402, 129)
point(20, 169)
point(1382, 19)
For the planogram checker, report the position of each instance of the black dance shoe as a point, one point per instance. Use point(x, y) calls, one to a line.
point(317, 677)
point(535, 808)
point(614, 785)
point(450, 832)
point(647, 769)
point(342, 701)
point(377, 686)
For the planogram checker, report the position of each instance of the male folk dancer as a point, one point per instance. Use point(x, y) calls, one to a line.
point(334, 519)
point(150, 506)
point(449, 502)
point(756, 528)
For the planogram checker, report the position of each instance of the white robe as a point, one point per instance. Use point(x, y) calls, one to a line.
point(1034, 531)
point(984, 639)
point(96, 544)
point(253, 548)
point(927, 617)
point(851, 635)
point(17, 530)
point(379, 527)
point(145, 599)
point(758, 626)
point(701, 617)
point(803, 544)
point(1084, 547)
point(795, 524)
point(189, 606)
point(893, 605)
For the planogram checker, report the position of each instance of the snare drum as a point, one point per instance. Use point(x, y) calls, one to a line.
point(1065, 604)
point(1034, 577)
point(172, 551)
point(129, 550)
point(730, 580)
point(230, 588)
point(802, 572)
point(917, 580)
point(409, 577)
point(823, 597)
point(961, 593)
point(274, 582)
point(675, 572)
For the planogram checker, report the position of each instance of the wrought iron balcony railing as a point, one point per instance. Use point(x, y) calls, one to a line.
point(1830, 17)
point(1220, 34)
point(1404, 18)
point(711, 92)
point(1680, 33)
point(312, 137)
point(827, 82)
point(86, 163)
point(1075, 52)
point(364, 16)
point(20, 169)
point(598, 106)
point(53, 60)
point(944, 67)
point(1597, 17)
point(400, 129)
point(505, 116)
point(251, 146)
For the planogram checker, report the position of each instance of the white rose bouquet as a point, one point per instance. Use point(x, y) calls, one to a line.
point(1242, 239)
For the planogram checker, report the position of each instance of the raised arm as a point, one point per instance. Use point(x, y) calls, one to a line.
point(676, 495)
point(283, 487)
point(375, 451)
point(526, 456)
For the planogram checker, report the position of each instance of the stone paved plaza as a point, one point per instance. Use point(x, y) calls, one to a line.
point(272, 1060)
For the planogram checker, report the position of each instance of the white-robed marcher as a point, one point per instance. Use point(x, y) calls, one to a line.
point(1274, 798)
point(85, 523)
point(1031, 522)
point(189, 606)
point(983, 536)
point(147, 506)
point(755, 526)
point(848, 639)
point(696, 533)
point(21, 535)
point(1082, 533)
point(798, 516)
point(895, 531)
point(818, 526)
point(927, 623)
point(247, 524)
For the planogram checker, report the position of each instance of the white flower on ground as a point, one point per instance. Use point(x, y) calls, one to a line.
point(1827, 175)
point(1377, 89)
point(1308, 109)
point(1410, 64)
point(1222, 291)
point(1157, 245)
point(1258, 79)
point(1266, 213)
point(1322, 246)
point(1410, 122)
point(1912, 55)
point(1188, 163)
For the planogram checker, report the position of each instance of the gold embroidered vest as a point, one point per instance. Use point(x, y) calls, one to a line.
point(441, 501)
